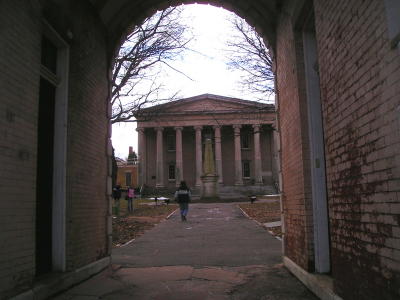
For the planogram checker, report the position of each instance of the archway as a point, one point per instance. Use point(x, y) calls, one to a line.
point(358, 58)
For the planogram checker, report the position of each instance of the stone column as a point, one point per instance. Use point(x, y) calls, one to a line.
point(238, 156)
point(257, 155)
point(218, 152)
point(160, 158)
point(198, 155)
point(142, 156)
point(179, 157)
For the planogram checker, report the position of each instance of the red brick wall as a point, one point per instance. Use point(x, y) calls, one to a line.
point(20, 41)
point(360, 79)
point(87, 200)
point(298, 238)
point(87, 160)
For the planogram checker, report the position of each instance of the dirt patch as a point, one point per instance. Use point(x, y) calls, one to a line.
point(265, 213)
point(144, 217)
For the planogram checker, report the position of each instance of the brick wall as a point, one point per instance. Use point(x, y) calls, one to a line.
point(297, 207)
point(360, 79)
point(87, 159)
point(19, 86)
point(87, 200)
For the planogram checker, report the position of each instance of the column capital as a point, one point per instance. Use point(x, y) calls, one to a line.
point(159, 128)
point(217, 126)
point(141, 129)
point(178, 128)
point(198, 127)
point(236, 128)
point(255, 126)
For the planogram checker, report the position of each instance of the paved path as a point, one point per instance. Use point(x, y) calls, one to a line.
point(217, 254)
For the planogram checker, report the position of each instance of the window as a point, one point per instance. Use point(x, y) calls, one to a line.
point(245, 140)
point(49, 55)
point(171, 172)
point(246, 169)
point(171, 143)
point(128, 179)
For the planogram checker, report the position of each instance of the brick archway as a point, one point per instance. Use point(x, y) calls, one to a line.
point(356, 44)
point(260, 14)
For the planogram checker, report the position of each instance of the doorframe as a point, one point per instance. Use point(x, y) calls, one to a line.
point(60, 147)
point(317, 153)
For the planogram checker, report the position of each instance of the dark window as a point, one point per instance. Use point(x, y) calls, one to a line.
point(128, 179)
point(245, 139)
point(171, 172)
point(246, 169)
point(49, 55)
point(171, 143)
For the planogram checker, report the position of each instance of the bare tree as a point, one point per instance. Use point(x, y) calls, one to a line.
point(135, 85)
point(248, 53)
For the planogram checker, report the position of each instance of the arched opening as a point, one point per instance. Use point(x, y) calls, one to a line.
point(355, 45)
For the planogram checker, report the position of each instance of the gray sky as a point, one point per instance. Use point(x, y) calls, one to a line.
point(206, 66)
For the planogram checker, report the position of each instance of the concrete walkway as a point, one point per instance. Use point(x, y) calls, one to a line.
point(217, 254)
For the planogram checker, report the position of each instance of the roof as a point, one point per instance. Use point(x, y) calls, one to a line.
point(205, 104)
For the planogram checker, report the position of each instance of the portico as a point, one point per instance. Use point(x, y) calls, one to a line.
point(171, 142)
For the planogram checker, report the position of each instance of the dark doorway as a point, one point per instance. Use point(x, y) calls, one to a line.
point(44, 178)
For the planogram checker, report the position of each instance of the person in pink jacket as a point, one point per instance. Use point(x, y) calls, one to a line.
point(131, 195)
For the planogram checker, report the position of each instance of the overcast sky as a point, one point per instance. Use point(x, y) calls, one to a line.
point(206, 66)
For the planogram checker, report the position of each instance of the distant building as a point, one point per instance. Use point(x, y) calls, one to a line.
point(127, 174)
point(172, 135)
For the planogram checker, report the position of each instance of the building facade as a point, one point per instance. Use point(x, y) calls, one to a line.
point(172, 137)
point(127, 171)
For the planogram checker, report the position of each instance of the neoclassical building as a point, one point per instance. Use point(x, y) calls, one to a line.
point(172, 136)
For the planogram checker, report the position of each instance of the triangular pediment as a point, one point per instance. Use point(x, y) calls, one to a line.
point(207, 103)
point(202, 105)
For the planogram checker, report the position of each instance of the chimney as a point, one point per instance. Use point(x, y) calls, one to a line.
point(130, 149)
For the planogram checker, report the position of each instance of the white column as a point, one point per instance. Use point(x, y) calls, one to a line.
point(218, 152)
point(160, 158)
point(179, 156)
point(238, 156)
point(142, 156)
point(257, 155)
point(199, 158)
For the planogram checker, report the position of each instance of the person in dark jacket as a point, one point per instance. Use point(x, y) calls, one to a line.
point(183, 197)
point(116, 194)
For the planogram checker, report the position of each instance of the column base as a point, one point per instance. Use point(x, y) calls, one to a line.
point(160, 186)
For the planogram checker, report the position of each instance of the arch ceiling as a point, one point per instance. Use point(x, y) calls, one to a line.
point(119, 15)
